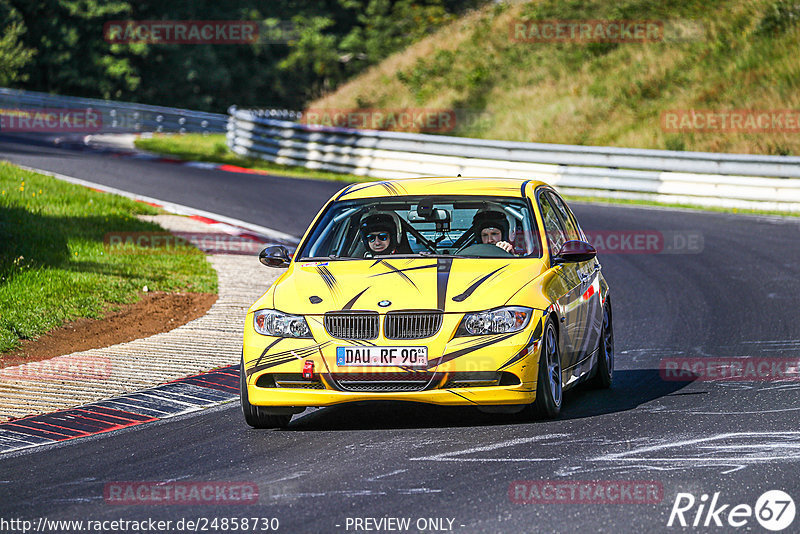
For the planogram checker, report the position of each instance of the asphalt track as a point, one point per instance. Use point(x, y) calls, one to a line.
point(736, 298)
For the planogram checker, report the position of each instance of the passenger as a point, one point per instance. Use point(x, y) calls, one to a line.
point(380, 232)
point(491, 228)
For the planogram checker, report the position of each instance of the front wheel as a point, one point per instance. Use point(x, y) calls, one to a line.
point(548, 383)
point(255, 416)
point(604, 375)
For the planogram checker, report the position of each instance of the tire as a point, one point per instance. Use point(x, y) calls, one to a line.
point(255, 416)
point(549, 389)
point(604, 373)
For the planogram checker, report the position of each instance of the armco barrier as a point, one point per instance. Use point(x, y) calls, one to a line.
point(698, 178)
point(117, 117)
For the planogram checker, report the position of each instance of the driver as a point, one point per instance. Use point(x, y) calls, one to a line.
point(491, 228)
point(380, 233)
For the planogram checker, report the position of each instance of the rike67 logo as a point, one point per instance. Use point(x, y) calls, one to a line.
point(774, 510)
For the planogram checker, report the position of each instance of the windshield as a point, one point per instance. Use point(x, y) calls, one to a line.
point(478, 227)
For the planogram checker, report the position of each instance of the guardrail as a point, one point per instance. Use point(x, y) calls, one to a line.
point(697, 178)
point(117, 117)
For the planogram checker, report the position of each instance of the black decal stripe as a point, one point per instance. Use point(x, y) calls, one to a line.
point(300, 352)
point(361, 343)
point(345, 191)
point(522, 189)
point(390, 188)
point(443, 266)
point(520, 289)
point(395, 270)
point(521, 354)
point(286, 356)
point(328, 278)
point(267, 349)
point(462, 396)
point(394, 189)
point(461, 352)
point(257, 368)
point(537, 333)
point(404, 269)
point(352, 301)
point(464, 340)
point(325, 279)
point(413, 370)
point(471, 289)
point(362, 186)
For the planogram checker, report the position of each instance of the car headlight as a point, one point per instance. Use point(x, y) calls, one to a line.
point(279, 324)
point(497, 321)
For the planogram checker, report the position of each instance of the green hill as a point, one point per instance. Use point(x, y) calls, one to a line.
point(720, 56)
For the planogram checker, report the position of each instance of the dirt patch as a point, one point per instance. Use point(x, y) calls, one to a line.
point(156, 312)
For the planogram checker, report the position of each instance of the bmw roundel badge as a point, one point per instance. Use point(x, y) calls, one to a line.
point(384, 303)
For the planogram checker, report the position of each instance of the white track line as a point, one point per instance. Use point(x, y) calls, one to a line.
point(171, 207)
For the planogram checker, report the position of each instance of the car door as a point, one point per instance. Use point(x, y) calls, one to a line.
point(590, 316)
point(568, 286)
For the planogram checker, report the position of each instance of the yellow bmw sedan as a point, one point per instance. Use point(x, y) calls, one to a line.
point(454, 291)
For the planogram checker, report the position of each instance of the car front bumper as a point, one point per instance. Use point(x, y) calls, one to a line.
point(523, 393)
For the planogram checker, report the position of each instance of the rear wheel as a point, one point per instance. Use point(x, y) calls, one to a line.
point(604, 374)
point(256, 416)
point(548, 384)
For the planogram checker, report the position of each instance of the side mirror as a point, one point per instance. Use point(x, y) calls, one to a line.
point(275, 256)
point(575, 252)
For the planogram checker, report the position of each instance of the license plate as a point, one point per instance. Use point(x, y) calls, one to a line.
point(382, 356)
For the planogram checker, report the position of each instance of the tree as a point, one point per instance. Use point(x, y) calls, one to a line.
point(14, 56)
point(333, 40)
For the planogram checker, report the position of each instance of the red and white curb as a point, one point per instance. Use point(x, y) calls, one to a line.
point(175, 398)
point(101, 390)
point(220, 223)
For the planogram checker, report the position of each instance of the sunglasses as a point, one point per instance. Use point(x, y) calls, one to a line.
point(383, 236)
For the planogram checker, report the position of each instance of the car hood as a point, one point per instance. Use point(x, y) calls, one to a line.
point(449, 284)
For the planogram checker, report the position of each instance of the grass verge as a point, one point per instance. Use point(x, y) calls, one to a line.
point(721, 56)
point(54, 266)
point(212, 148)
